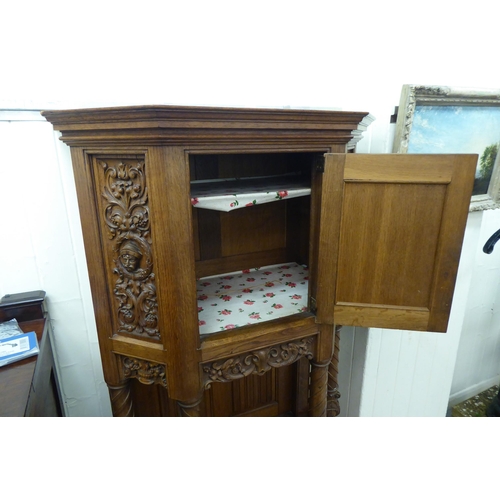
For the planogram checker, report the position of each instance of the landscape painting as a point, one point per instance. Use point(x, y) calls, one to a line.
point(459, 129)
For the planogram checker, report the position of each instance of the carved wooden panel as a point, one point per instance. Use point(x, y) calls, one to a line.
point(268, 395)
point(146, 372)
point(126, 238)
point(257, 362)
point(272, 394)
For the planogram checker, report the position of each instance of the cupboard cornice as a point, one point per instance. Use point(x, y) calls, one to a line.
point(206, 126)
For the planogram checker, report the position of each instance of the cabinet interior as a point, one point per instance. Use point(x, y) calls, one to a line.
point(254, 237)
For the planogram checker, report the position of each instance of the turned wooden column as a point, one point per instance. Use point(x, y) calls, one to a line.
point(121, 400)
point(190, 408)
point(318, 388)
point(333, 405)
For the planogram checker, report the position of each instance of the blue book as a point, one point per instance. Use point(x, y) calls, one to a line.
point(17, 347)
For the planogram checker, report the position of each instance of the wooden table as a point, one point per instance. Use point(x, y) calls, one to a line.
point(30, 387)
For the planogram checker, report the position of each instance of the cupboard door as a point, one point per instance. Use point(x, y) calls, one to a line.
point(391, 233)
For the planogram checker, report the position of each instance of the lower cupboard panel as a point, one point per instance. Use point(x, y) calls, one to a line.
point(279, 392)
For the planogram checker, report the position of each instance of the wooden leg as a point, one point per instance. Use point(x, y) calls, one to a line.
point(190, 408)
point(318, 388)
point(121, 400)
point(303, 367)
point(333, 405)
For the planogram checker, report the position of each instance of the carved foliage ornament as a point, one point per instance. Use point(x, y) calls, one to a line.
point(257, 362)
point(126, 215)
point(145, 371)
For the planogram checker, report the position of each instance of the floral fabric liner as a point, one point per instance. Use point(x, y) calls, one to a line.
point(251, 296)
point(229, 194)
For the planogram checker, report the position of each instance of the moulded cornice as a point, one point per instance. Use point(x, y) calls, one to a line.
point(204, 126)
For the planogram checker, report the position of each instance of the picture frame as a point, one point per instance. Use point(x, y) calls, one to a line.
point(439, 119)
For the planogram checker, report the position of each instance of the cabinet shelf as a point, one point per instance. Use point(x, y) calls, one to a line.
point(251, 296)
point(226, 195)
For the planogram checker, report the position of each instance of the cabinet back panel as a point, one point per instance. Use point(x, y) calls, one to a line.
point(209, 240)
point(253, 165)
point(255, 229)
point(251, 237)
point(298, 229)
point(246, 165)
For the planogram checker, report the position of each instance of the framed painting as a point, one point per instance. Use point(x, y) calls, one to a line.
point(446, 120)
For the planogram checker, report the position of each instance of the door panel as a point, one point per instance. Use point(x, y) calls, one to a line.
point(402, 219)
point(398, 225)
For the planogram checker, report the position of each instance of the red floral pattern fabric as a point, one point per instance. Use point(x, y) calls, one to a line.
point(251, 296)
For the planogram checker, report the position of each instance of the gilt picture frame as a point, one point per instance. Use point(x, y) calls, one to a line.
point(449, 120)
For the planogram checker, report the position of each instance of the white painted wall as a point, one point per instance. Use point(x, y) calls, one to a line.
point(423, 374)
point(410, 373)
point(42, 249)
point(478, 358)
point(260, 54)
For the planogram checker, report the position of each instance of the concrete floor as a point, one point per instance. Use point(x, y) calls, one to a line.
point(475, 406)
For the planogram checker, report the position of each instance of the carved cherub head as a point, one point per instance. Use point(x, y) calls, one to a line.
point(130, 255)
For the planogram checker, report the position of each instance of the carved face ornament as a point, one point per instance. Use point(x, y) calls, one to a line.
point(130, 256)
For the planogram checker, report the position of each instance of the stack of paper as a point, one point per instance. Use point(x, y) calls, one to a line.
point(15, 344)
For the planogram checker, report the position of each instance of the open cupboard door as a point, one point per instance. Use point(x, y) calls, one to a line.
point(391, 231)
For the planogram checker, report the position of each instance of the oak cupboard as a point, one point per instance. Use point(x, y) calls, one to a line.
point(223, 243)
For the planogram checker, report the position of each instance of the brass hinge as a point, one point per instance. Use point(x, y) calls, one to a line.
point(319, 164)
point(313, 306)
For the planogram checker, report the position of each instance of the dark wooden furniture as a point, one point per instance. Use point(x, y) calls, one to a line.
point(380, 234)
point(30, 387)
